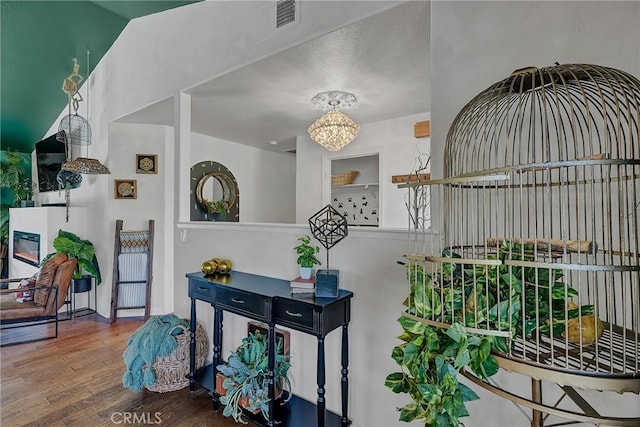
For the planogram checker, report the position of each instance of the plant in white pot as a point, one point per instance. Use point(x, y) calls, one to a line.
point(306, 256)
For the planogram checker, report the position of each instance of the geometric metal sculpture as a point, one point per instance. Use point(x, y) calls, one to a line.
point(329, 227)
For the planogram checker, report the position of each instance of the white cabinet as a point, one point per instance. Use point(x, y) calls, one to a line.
point(358, 202)
point(43, 222)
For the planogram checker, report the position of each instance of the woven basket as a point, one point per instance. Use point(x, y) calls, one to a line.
point(172, 371)
point(344, 178)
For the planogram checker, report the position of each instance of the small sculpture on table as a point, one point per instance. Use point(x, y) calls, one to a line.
point(216, 266)
point(329, 227)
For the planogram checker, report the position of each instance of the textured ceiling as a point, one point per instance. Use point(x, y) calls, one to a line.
point(38, 41)
point(383, 60)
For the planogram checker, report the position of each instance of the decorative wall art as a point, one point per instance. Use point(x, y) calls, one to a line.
point(214, 193)
point(358, 207)
point(125, 189)
point(147, 163)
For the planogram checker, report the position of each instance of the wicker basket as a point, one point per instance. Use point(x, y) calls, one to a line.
point(172, 371)
point(344, 178)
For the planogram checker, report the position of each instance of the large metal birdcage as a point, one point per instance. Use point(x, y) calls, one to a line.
point(540, 218)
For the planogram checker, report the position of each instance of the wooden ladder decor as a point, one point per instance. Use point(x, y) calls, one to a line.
point(132, 268)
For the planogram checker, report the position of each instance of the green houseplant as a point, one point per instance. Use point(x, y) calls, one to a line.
point(82, 250)
point(480, 296)
point(4, 236)
point(220, 207)
point(306, 256)
point(246, 379)
point(15, 176)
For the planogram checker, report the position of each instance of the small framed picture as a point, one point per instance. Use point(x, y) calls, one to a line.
point(125, 189)
point(147, 163)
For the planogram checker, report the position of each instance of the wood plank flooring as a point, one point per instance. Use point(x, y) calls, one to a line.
point(76, 380)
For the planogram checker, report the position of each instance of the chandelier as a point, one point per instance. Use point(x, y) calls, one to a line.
point(335, 129)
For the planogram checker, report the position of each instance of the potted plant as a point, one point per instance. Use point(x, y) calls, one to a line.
point(306, 256)
point(14, 175)
point(245, 377)
point(4, 238)
point(220, 207)
point(84, 252)
point(480, 296)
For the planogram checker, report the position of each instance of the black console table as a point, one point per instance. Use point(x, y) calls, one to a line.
point(269, 300)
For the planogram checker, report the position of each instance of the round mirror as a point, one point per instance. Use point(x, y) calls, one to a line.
point(216, 192)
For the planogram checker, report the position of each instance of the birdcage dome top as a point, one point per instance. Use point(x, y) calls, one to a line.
point(569, 112)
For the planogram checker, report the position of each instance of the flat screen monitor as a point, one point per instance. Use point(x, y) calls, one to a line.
point(50, 155)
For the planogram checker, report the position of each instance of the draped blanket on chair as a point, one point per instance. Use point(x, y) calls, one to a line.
point(155, 338)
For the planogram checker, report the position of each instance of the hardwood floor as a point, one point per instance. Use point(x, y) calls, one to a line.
point(76, 380)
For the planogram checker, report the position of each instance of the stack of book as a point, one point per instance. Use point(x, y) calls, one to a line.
point(303, 287)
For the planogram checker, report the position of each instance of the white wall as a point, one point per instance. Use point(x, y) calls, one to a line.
point(367, 263)
point(475, 44)
point(266, 180)
point(392, 139)
point(127, 140)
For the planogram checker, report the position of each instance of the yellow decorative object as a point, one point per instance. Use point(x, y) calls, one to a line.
point(209, 267)
point(588, 327)
point(216, 266)
point(224, 267)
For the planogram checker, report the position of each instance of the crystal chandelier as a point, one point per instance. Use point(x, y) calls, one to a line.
point(334, 130)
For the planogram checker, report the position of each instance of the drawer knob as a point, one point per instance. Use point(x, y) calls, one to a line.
point(202, 288)
point(293, 314)
point(237, 300)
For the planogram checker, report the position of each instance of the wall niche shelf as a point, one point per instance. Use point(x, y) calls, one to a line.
point(371, 184)
point(358, 202)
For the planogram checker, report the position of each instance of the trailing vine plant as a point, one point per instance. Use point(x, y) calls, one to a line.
point(521, 301)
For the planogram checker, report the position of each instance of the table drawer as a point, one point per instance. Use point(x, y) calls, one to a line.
point(250, 304)
point(294, 314)
point(200, 290)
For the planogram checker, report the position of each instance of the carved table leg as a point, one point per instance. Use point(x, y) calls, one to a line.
point(321, 381)
point(217, 350)
point(344, 421)
point(192, 346)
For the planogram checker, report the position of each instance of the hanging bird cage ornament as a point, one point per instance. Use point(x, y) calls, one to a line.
point(540, 219)
point(77, 130)
point(76, 127)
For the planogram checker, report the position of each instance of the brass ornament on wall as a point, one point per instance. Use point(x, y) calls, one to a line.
point(214, 193)
point(225, 185)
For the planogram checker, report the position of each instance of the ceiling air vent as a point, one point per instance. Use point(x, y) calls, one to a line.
point(285, 12)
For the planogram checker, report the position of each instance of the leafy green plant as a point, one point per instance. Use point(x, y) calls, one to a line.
point(4, 225)
point(520, 300)
point(246, 376)
point(306, 252)
point(431, 359)
point(15, 176)
point(82, 250)
point(219, 206)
